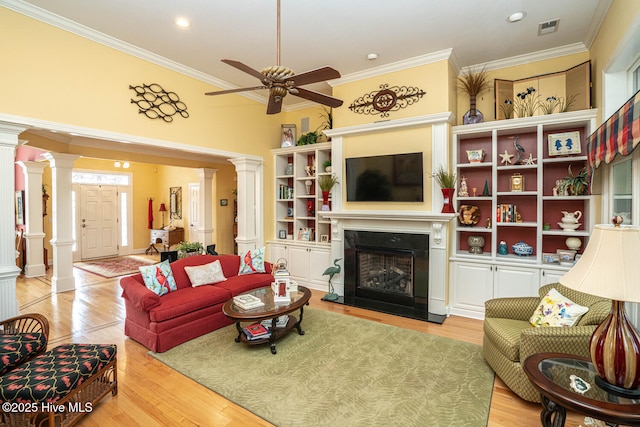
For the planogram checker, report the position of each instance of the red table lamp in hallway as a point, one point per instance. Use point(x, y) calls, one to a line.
point(609, 268)
point(163, 209)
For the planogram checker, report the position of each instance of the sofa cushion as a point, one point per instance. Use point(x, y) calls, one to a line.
point(52, 375)
point(557, 310)
point(205, 274)
point(246, 283)
point(158, 278)
point(505, 335)
point(135, 292)
point(252, 261)
point(19, 347)
point(183, 301)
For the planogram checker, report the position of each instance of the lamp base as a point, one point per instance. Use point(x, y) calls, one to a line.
point(618, 391)
point(330, 297)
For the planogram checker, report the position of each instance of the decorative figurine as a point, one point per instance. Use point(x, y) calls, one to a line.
point(332, 271)
point(463, 192)
point(485, 191)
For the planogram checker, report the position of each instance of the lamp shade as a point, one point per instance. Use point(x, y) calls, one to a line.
point(163, 207)
point(610, 265)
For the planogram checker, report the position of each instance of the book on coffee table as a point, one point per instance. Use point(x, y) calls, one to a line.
point(281, 322)
point(256, 331)
point(247, 302)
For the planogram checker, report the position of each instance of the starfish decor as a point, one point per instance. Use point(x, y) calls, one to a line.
point(506, 158)
point(530, 160)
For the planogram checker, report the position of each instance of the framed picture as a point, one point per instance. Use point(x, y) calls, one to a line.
point(19, 207)
point(566, 256)
point(561, 144)
point(324, 238)
point(517, 182)
point(290, 212)
point(282, 234)
point(288, 135)
point(550, 258)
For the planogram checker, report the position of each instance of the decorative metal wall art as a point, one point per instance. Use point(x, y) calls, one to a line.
point(387, 99)
point(156, 103)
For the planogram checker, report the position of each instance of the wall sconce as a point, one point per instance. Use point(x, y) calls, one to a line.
point(119, 164)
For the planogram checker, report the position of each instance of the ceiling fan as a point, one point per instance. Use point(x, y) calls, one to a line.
point(281, 80)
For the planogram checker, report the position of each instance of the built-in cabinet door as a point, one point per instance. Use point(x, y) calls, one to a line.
point(515, 282)
point(319, 262)
point(473, 286)
point(275, 252)
point(550, 276)
point(299, 262)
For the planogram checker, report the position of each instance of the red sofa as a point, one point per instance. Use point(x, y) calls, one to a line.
point(161, 323)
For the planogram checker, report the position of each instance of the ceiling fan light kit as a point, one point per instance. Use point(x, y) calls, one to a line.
point(282, 80)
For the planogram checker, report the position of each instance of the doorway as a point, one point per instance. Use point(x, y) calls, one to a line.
point(194, 211)
point(98, 221)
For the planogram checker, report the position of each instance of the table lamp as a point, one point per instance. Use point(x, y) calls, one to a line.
point(163, 209)
point(610, 268)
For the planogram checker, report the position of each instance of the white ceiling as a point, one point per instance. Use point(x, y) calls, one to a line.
point(337, 33)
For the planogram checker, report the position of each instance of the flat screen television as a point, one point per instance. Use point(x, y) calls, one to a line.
point(388, 178)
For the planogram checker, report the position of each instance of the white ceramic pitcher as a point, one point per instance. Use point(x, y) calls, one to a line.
point(571, 217)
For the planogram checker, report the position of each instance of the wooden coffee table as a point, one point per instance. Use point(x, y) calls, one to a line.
point(270, 310)
point(551, 374)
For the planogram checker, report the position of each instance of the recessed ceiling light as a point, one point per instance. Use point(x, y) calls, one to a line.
point(516, 16)
point(182, 22)
point(372, 56)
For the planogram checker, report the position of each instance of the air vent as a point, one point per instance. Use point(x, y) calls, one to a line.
point(548, 27)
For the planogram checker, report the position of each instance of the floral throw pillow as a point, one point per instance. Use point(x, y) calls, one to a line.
point(158, 278)
point(557, 310)
point(206, 274)
point(252, 261)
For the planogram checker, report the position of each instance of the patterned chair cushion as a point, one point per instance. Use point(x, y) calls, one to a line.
point(505, 335)
point(19, 347)
point(52, 375)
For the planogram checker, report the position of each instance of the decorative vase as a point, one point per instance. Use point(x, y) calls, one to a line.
point(325, 201)
point(503, 249)
point(447, 195)
point(573, 243)
point(475, 244)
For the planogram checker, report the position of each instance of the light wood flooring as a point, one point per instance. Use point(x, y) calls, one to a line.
point(151, 394)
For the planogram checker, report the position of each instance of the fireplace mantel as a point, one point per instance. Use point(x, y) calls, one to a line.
point(413, 222)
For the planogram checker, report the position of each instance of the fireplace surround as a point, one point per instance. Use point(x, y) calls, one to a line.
point(387, 271)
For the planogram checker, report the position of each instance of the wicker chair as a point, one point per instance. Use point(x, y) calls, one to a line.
point(509, 338)
point(32, 322)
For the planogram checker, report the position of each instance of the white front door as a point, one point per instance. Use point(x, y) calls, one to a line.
point(98, 221)
point(194, 211)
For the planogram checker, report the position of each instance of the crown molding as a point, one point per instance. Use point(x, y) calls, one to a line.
point(98, 37)
point(393, 67)
point(388, 125)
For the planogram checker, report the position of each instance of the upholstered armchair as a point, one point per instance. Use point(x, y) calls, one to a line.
point(509, 338)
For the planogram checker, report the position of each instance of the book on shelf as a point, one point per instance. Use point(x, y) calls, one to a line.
point(256, 331)
point(247, 301)
point(281, 321)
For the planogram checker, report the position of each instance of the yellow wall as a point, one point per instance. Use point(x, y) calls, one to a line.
point(620, 16)
point(433, 78)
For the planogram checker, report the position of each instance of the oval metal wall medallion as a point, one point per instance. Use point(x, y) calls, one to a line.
point(156, 103)
point(387, 99)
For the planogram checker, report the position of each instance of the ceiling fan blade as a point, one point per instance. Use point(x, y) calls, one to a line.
point(314, 76)
point(240, 66)
point(275, 104)
point(241, 89)
point(316, 97)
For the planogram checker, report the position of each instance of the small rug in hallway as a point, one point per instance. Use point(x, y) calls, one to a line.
point(344, 371)
point(114, 267)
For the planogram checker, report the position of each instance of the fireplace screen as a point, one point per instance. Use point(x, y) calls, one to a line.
point(386, 272)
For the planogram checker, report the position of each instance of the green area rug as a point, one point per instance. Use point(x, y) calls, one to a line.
point(344, 371)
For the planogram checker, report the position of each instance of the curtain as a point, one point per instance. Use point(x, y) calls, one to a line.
point(150, 214)
point(620, 134)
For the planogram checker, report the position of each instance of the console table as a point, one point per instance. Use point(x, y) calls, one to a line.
point(166, 237)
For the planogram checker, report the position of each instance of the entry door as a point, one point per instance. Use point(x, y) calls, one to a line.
point(194, 211)
point(98, 221)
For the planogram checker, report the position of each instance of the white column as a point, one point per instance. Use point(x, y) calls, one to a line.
point(250, 203)
point(61, 210)
point(8, 269)
point(439, 157)
point(34, 228)
point(205, 225)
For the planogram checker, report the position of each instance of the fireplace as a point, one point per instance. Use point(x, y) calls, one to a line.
point(388, 272)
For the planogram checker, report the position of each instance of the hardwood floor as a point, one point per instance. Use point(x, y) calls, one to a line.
point(151, 394)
